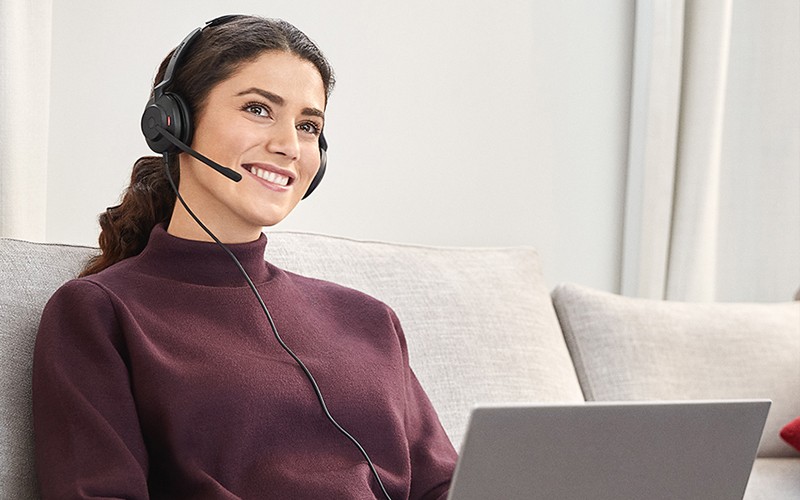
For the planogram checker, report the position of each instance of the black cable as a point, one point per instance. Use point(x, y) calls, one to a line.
point(285, 347)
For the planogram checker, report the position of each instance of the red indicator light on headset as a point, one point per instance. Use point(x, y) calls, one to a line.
point(169, 121)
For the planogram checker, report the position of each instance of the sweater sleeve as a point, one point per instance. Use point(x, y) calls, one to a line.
point(433, 458)
point(88, 442)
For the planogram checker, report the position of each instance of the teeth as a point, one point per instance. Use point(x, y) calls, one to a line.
point(272, 177)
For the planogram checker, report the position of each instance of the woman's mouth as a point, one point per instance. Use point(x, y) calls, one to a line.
point(269, 176)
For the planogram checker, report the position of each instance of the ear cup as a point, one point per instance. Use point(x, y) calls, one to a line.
point(323, 161)
point(171, 113)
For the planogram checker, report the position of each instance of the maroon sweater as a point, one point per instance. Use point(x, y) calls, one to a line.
point(160, 378)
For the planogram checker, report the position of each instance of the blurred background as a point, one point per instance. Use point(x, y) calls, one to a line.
point(650, 148)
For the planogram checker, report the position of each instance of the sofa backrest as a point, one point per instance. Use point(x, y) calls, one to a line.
point(638, 349)
point(479, 323)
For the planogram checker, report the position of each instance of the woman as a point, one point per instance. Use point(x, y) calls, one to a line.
point(157, 374)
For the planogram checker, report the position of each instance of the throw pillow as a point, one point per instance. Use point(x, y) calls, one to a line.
point(791, 433)
point(628, 348)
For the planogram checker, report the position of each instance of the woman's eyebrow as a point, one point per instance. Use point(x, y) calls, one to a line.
point(313, 112)
point(280, 101)
point(274, 98)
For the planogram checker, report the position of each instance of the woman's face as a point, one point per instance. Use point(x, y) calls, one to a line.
point(263, 122)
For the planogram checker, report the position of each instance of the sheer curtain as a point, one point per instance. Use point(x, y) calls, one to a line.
point(713, 195)
point(25, 34)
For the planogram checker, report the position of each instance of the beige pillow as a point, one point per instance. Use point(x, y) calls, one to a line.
point(638, 349)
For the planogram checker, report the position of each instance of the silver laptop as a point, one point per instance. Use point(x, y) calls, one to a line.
point(610, 450)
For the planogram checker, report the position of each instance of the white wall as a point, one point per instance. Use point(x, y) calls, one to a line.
point(453, 123)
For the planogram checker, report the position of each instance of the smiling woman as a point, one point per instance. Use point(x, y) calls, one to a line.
point(157, 373)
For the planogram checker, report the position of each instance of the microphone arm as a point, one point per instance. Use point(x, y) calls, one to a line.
point(227, 172)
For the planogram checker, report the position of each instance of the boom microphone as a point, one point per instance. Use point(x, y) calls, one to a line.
point(227, 172)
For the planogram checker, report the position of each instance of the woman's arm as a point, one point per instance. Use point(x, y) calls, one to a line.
point(433, 458)
point(87, 434)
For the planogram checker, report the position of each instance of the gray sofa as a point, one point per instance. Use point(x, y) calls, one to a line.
point(482, 326)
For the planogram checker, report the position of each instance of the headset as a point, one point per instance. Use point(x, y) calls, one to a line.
point(167, 128)
point(167, 123)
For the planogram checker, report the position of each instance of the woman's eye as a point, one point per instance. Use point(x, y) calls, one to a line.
point(310, 128)
point(257, 109)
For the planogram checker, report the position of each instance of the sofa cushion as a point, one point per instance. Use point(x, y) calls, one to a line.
point(479, 322)
point(638, 349)
point(29, 274)
point(774, 478)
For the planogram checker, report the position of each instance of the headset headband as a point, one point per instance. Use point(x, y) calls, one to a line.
point(180, 51)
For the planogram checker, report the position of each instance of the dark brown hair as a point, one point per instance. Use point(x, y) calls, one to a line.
point(212, 58)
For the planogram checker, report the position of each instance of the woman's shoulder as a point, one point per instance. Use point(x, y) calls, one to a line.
point(112, 280)
point(79, 308)
point(325, 291)
point(96, 289)
point(80, 294)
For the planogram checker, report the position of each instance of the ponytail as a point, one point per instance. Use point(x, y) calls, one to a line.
point(148, 201)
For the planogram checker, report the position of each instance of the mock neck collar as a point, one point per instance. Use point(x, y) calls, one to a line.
point(201, 262)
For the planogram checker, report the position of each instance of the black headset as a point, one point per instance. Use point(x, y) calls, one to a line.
point(167, 122)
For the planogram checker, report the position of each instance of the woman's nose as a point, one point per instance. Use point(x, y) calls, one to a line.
point(283, 140)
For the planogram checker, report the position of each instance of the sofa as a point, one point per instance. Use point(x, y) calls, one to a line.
point(482, 327)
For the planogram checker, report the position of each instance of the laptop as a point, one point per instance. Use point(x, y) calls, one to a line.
point(610, 450)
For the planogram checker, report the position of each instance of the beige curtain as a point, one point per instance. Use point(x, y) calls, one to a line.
point(655, 111)
point(25, 34)
point(714, 155)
